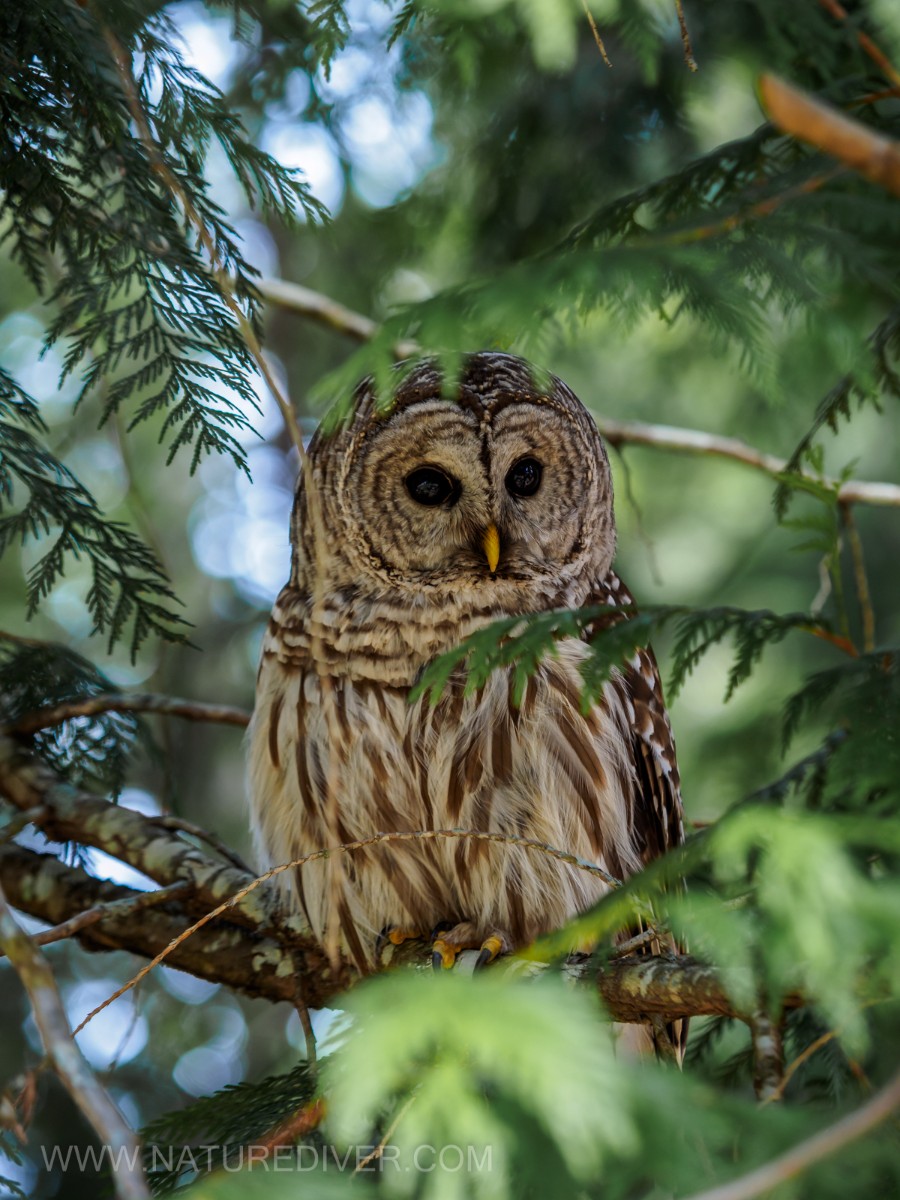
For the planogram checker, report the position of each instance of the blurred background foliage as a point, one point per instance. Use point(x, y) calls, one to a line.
point(471, 159)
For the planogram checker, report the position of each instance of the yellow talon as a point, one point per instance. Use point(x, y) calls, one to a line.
point(444, 953)
point(490, 948)
point(393, 935)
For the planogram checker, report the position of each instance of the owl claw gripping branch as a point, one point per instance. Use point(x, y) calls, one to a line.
point(450, 943)
point(510, 473)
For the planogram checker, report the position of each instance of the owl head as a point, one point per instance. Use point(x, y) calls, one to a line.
point(501, 485)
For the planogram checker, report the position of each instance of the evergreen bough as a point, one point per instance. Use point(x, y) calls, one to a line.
point(104, 135)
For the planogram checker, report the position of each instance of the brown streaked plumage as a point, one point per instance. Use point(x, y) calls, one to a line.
point(402, 580)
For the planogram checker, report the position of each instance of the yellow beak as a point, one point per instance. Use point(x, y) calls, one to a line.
point(491, 546)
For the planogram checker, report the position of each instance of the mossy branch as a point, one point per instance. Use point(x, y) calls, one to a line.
point(252, 947)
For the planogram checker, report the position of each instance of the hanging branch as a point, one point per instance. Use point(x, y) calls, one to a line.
point(617, 433)
point(689, 59)
point(598, 40)
point(178, 192)
point(67, 1060)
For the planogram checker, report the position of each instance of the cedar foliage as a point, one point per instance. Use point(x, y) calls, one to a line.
point(104, 137)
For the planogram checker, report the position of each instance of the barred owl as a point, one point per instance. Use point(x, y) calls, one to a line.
point(433, 519)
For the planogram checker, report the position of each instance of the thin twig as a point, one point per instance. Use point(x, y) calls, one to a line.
point(812, 1049)
point(20, 639)
point(811, 1151)
point(114, 909)
point(301, 1008)
point(347, 847)
point(877, 55)
point(125, 1038)
point(863, 594)
point(688, 441)
point(148, 702)
point(378, 1150)
point(873, 97)
point(596, 32)
point(631, 498)
point(68, 1061)
point(636, 943)
point(331, 313)
point(734, 220)
point(689, 59)
point(798, 1062)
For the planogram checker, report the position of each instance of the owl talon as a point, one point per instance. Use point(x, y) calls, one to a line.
point(443, 954)
point(446, 949)
point(491, 948)
point(395, 935)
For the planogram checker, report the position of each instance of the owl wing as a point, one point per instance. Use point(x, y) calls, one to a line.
point(658, 815)
point(657, 812)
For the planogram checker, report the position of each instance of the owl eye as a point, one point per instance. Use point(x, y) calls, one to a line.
point(431, 486)
point(524, 477)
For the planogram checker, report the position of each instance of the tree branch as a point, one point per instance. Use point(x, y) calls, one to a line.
point(874, 52)
point(331, 313)
point(68, 1061)
point(160, 854)
point(633, 988)
point(144, 702)
point(252, 947)
point(243, 959)
point(696, 441)
point(115, 908)
point(795, 112)
point(618, 433)
point(807, 1153)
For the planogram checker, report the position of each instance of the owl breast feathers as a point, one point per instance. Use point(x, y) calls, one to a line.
point(424, 523)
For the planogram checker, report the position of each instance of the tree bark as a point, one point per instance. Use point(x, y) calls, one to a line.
point(253, 947)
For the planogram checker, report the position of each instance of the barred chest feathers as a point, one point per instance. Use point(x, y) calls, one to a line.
point(542, 771)
point(433, 515)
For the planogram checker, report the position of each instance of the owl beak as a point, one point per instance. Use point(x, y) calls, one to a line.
point(490, 543)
